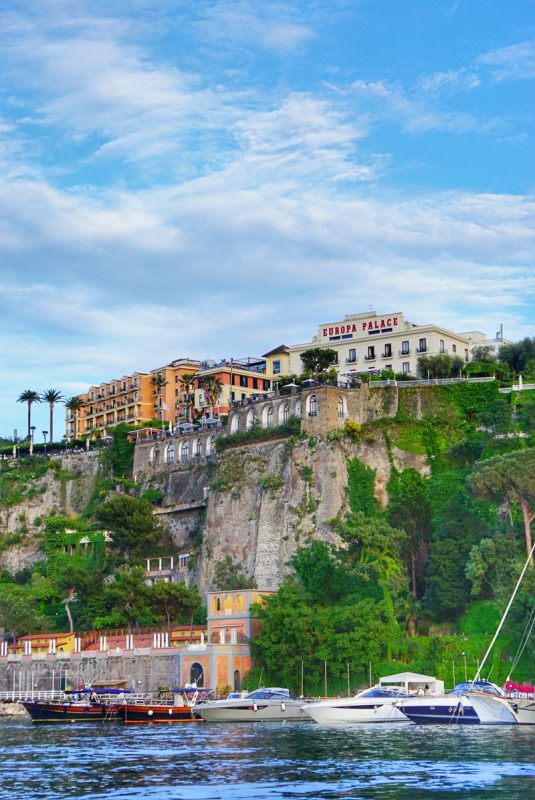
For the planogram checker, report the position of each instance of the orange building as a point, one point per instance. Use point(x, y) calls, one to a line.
point(239, 379)
point(134, 399)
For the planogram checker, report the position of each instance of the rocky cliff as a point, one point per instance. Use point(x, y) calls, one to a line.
point(267, 500)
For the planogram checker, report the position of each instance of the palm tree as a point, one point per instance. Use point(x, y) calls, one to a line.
point(30, 397)
point(51, 396)
point(212, 387)
point(158, 381)
point(74, 404)
point(188, 381)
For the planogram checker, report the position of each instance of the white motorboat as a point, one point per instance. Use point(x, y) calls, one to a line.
point(469, 703)
point(377, 704)
point(262, 705)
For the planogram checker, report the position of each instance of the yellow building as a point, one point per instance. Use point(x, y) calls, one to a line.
point(277, 362)
point(239, 380)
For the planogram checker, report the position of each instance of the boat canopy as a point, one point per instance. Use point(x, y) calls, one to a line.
point(412, 682)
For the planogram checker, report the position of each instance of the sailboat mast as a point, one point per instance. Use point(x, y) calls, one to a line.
point(505, 613)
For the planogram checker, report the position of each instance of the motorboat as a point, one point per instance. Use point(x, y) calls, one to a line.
point(262, 705)
point(376, 704)
point(469, 703)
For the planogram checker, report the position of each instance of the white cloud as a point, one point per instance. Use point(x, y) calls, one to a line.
point(277, 27)
point(512, 63)
point(452, 80)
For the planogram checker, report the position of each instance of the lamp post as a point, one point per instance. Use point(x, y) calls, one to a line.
point(32, 433)
point(45, 434)
point(465, 670)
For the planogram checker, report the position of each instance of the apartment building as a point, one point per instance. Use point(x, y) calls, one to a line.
point(239, 379)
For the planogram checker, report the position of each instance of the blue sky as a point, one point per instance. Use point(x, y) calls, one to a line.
point(214, 178)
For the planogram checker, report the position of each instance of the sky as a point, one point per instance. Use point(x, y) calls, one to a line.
point(215, 178)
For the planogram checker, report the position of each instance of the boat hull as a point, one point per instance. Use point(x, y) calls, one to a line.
point(453, 712)
point(250, 712)
point(346, 712)
point(139, 714)
point(70, 712)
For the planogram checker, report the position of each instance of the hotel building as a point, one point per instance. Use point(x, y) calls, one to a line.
point(239, 379)
point(371, 342)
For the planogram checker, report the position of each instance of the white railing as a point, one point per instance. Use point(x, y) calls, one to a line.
point(428, 382)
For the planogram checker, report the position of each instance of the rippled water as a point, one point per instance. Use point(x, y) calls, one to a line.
point(264, 761)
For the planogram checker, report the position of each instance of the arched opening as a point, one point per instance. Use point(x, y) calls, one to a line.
point(297, 411)
point(250, 419)
point(170, 454)
point(184, 451)
point(342, 407)
point(197, 448)
point(217, 604)
point(156, 456)
point(312, 403)
point(268, 417)
point(196, 675)
point(237, 680)
point(235, 423)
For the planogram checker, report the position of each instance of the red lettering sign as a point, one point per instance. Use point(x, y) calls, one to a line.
point(325, 331)
point(395, 320)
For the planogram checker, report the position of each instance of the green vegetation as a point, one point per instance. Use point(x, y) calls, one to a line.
point(229, 576)
point(257, 434)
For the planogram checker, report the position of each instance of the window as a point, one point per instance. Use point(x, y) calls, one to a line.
point(342, 408)
point(422, 345)
point(286, 412)
point(184, 451)
point(170, 456)
point(312, 406)
point(255, 383)
point(243, 381)
point(441, 346)
point(405, 348)
point(371, 353)
point(196, 675)
point(466, 355)
point(183, 559)
point(388, 351)
point(276, 367)
point(352, 357)
point(266, 385)
point(406, 367)
point(269, 417)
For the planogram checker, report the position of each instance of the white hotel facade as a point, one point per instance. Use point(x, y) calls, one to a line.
point(371, 342)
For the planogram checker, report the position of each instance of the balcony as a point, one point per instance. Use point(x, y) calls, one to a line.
point(421, 349)
point(370, 358)
point(386, 355)
point(351, 360)
point(404, 353)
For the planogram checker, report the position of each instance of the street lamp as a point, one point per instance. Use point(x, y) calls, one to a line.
point(465, 670)
point(45, 434)
point(32, 432)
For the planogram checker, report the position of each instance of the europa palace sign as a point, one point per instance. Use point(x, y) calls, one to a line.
point(367, 326)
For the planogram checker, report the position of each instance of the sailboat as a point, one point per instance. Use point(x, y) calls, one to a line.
point(478, 702)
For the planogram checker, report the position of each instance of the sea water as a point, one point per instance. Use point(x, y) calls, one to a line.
point(265, 761)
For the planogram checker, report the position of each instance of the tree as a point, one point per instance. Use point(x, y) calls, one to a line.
point(30, 397)
point(130, 520)
point(518, 354)
point(229, 576)
point(130, 599)
point(484, 355)
point(439, 366)
point(409, 510)
point(188, 382)
point(510, 477)
point(74, 405)
point(212, 388)
point(318, 359)
point(51, 396)
point(174, 602)
point(158, 381)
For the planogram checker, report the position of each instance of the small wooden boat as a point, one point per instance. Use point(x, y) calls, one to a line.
point(156, 712)
point(70, 711)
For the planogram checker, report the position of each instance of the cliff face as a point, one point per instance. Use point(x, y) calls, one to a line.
point(256, 503)
point(267, 500)
point(64, 488)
